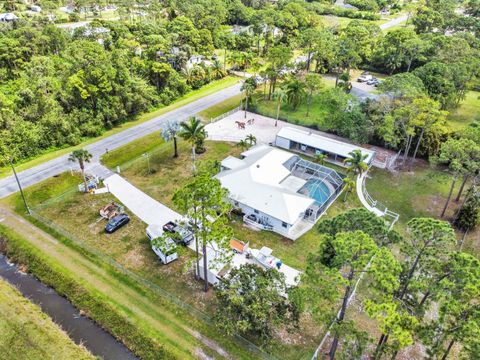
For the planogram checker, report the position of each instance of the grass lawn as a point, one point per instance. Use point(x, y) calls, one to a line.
point(319, 111)
point(421, 193)
point(208, 89)
point(466, 112)
point(28, 333)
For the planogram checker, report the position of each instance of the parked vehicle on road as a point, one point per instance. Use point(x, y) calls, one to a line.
point(374, 82)
point(116, 223)
point(365, 77)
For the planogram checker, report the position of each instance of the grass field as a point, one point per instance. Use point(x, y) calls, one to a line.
point(466, 112)
point(28, 333)
point(420, 193)
point(208, 89)
point(220, 108)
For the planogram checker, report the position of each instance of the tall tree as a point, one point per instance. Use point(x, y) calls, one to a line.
point(248, 87)
point(193, 131)
point(295, 92)
point(252, 301)
point(202, 200)
point(313, 83)
point(459, 312)
point(462, 157)
point(279, 95)
point(332, 272)
point(169, 132)
point(81, 156)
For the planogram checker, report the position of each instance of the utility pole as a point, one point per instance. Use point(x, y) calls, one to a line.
point(20, 187)
point(147, 155)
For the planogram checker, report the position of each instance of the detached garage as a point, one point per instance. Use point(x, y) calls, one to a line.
point(311, 144)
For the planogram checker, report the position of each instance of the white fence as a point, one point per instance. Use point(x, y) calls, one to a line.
point(224, 115)
point(382, 210)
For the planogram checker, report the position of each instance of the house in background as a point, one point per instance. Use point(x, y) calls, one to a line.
point(312, 144)
point(8, 17)
point(279, 191)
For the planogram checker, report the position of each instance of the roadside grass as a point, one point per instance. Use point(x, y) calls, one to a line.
point(150, 322)
point(466, 112)
point(50, 154)
point(28, 333)
point(220, 108)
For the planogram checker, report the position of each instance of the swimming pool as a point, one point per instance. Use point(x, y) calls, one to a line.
point(318, 190)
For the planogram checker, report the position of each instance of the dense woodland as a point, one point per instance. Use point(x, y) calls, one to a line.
point(58, 88)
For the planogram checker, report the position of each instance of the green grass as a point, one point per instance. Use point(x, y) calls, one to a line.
point(421, 193)
point(208, 89)
point(318, 116)
point(466, 112)
point(28, 333)
point(220, 108)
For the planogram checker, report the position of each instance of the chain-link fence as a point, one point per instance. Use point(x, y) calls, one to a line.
point(136, 277)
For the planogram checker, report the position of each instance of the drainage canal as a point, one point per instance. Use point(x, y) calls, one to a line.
point(81, 329)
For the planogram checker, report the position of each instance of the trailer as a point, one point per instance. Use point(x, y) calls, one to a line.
point(167, 251)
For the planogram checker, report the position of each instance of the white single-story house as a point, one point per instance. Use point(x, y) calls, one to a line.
point(277, 190)
point(309, 143)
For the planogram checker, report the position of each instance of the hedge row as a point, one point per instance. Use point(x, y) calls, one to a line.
point(93, 304)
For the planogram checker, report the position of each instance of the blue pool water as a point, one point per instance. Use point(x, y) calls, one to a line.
point(317, 190)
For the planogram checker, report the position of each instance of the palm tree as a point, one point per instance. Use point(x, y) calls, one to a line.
point(295, 91)
point(251, 139)
point(356, 162)
point(243, 145)
point(193, 131)
point(249, 87)
point(321, 158)
point(348, 186)
point(217, 69)
point(81, 156)
point(169, 132)
point(279, 95)
point(245, 60)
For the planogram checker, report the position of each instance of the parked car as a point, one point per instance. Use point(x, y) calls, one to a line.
point(373, 82)
point(365, 77)
point(116, 223)
point(184, 236)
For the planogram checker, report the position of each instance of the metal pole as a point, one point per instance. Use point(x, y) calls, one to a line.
point(20, 187)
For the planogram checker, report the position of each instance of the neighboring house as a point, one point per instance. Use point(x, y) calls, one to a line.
point(194, 60)
point(36, 8)
point(240, 29)
point(312, 144)
point(8, 17)
point(277, 190)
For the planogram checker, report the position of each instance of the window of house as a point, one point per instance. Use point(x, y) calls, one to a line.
point(284, 224)
point(255, 211)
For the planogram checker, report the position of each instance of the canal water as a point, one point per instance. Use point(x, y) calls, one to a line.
point(81, 329)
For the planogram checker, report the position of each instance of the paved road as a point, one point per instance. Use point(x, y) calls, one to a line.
point(394, 22)
point(61, 164)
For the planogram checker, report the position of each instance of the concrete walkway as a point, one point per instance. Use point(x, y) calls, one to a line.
point(143, 206)
point(363, 200)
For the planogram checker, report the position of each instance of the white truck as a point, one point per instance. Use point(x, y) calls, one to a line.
point(167, 251)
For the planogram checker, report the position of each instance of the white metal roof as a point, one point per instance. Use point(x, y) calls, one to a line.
point(257, 183)
point(323, 143)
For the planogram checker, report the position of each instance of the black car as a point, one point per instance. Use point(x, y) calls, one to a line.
point(116, 223)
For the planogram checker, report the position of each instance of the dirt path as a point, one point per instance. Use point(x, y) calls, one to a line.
point(150, 315)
